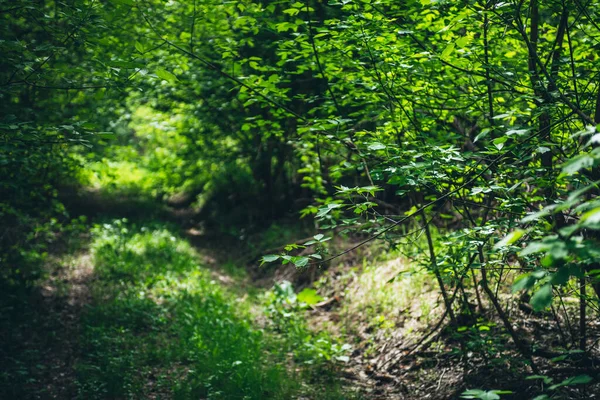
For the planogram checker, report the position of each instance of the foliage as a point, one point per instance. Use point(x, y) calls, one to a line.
point(283, 308)
point(465, 131)
point(483, 395)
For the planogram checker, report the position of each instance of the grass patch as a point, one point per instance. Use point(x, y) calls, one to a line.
point(161, 327)
point(383, 291)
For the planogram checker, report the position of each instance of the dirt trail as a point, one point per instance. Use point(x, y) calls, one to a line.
point(63, 296)
point(41, 338)
point(66, 294)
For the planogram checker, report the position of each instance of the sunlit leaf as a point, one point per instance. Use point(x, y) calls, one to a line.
point(166, 75)
point(510, 238)
point(542, 298)
point(309, 296)
point(270, 258)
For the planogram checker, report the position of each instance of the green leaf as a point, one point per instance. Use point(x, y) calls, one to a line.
point(166, 75)
point(536, 247)
point(291, 11)
point(561, 276)
point(463, 41)
point(299, 261)
point(318, 238)
point(516, 132)
point(523, 282)
point(591, 218)
point(566, 356)
point(376, 146)
point(543, 149)
point(577, 163)
point(576, 380)
point(125, 64)
point(510, 238)
point(105, 135)
point(542, 298)
point(325, 210)
point(480, 394)
point(292, 246)
point(139, 47)
point(569, 230)
point(499, 142)
point(539, 214)
point(269, 258)
point(286, 259)
point(483, 134)
point(309, 296)
point(124, 2)
point(448, 50)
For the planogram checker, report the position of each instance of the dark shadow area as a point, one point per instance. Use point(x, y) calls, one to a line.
point(39, 326)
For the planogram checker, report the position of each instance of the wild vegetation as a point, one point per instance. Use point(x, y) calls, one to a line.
point(319, 199)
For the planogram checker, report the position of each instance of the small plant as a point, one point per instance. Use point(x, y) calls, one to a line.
point(551, 387)
point(285, 310)
point(300, 261)
point(484, 395)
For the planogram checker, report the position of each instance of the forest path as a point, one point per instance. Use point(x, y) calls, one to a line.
point(42, 330)
point(121, 317)
point(66, 294)
point(72, 311)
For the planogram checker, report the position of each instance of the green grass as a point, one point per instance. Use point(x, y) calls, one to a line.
point(160, 326)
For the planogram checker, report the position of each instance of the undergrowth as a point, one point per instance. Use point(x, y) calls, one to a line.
point(161, 326)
